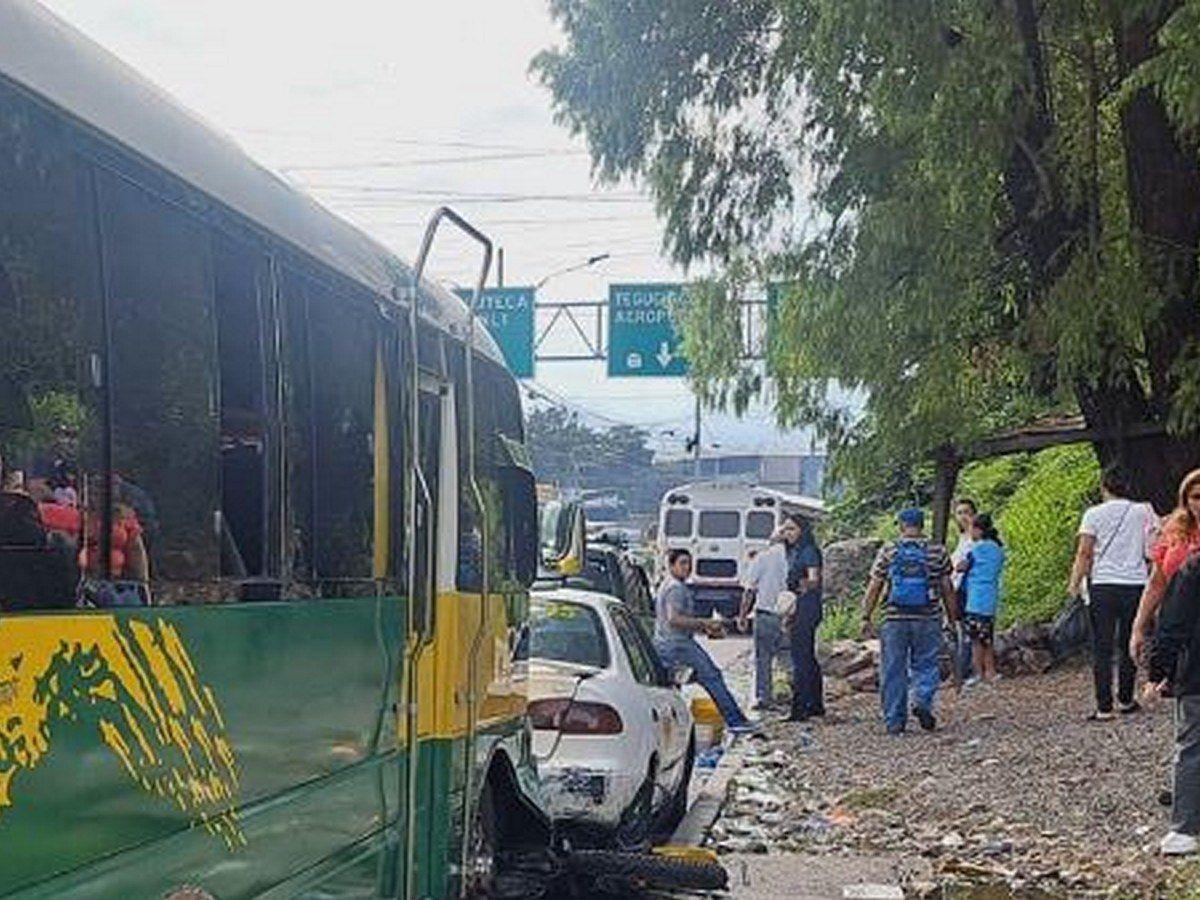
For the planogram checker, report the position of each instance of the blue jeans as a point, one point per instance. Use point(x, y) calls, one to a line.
point(708, 676)
point(909, 659)
point(808, 684)
point(768, 644)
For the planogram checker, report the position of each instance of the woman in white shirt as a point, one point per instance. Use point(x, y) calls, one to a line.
point(1115, 538)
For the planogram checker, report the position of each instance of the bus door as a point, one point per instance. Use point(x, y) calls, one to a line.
point(435, 543)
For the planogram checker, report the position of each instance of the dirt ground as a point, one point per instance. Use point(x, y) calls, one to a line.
point(1015, 790)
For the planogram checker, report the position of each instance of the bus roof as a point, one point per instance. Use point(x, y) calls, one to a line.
point(735, 493)
point(48, 57)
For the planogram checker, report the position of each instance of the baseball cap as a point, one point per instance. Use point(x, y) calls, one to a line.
point(912, 517)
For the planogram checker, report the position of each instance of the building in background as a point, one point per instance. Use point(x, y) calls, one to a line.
point(792, 473)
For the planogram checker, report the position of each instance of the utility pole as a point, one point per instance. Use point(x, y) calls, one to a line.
point(696, 438)
point(500, 267)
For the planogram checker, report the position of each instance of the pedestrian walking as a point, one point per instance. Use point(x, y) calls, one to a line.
point(804, 564)
point(1175, 672)
point(1110, 572)
point(957, 637)
point(982, 570)
point(1178, 540)
point(915, 573)
point(765, 584)
point(675, 630)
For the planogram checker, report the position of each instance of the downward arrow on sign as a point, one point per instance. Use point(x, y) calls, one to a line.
point(664, 355)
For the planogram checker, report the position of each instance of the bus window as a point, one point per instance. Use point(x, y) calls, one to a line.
point(298, 437)
point(240, 283)
point(163, 370)
point(678, 523)
point(342, 346)
point(51, 359)
point(760, 524)
point(720, 523)
point(506, 488)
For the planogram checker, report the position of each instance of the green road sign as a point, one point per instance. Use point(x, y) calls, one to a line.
point(642, 339)
point(508, 314)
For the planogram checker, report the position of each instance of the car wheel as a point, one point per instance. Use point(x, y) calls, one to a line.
point(637, 822)
point(481, 858)
point(677, 808)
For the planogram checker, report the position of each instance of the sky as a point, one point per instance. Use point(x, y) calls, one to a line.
point(383, 109)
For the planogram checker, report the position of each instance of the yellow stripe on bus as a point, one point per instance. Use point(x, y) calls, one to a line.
point(443, 690)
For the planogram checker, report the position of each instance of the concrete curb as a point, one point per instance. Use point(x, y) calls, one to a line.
point(711, 798)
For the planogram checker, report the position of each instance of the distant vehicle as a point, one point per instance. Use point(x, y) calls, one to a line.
point(609, 569)
point(612, 734)
point(723, 523)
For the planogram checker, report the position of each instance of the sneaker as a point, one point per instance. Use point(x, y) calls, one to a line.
point(1102, 716)
point(1176, 844)
point(1131, 707)
point(925, 717)
point(895, 730)
point(797, 716)
point(761, 706)
point(971, 682)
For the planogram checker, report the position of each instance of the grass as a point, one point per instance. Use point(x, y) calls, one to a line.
point(841, 621)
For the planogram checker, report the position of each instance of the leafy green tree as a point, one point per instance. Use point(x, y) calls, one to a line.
point(568, 453)
point(984, 210)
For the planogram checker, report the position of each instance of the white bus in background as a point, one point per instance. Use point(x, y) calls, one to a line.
point(723, 524)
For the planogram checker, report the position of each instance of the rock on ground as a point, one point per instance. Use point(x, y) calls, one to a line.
point(1015, 789)
point(847, 568)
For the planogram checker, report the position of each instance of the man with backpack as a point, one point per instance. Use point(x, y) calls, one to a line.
point(915, 572)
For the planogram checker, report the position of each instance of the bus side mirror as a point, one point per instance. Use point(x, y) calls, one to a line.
point(521, 503)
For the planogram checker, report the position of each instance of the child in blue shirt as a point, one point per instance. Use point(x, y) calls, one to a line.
point(983, 566)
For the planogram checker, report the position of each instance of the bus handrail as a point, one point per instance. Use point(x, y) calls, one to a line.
point(444, 213)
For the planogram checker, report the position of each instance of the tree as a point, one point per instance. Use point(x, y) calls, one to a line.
point(982, 211)
point(568, 453)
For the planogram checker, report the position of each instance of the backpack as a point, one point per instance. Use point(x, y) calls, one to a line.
point(909, 574)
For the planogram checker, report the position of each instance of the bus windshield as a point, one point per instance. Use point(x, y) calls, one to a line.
point(720, 523)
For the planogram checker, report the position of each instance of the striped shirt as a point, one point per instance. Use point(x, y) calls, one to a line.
point(939, 567)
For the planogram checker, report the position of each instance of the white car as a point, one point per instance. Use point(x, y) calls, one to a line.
point(612, 735)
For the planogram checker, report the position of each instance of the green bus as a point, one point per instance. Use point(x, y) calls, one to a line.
point(266, 526)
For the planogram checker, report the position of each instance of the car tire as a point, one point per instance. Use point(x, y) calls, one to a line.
point(481, 875)
point(637, 822)
point(677, 808)
point(624, 873)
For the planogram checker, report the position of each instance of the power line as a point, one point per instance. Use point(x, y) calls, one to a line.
point(540, 391)
point(433, 161)
point(408, 142)
point(401, 193)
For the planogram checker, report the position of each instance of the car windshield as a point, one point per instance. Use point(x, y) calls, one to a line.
point(564, 632)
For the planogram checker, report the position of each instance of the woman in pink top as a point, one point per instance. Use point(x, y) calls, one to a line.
point(1180, 538)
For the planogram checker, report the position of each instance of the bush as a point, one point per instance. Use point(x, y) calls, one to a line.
point(840, 621)
point(1038, 524)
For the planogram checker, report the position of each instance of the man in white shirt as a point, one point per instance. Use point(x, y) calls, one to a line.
point(766, 579)
point(1111, 561)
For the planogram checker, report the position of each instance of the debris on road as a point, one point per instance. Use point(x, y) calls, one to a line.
point(1015, 790)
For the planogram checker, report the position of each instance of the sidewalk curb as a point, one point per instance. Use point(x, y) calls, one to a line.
point(711, 799)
